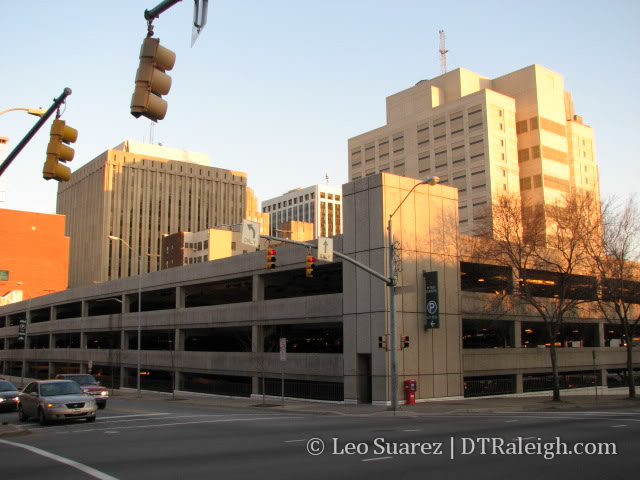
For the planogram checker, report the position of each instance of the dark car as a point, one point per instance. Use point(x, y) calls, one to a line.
point(8, 395)
point(90, 385)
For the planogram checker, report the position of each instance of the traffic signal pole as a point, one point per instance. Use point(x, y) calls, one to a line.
point(14, 153)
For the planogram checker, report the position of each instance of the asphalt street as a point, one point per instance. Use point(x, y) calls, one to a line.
point(163, 439)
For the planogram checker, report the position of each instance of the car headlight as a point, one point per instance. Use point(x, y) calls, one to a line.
point(55, 405)
point(104, 394)
point(1, 400)
point(91, 403)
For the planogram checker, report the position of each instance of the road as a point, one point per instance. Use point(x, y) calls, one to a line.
point(163, 439)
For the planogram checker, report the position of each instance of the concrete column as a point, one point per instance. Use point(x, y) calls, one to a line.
point(51, 339)
point(519, 383)
point(180, 297)
point(51, 370)
point(257, 347)
point(84, 309)
point(83, 340)
point(54, 313)
point(517, 334)
point(126, 303)
point(600, 340)
point(602, 378)
point(177, 377)
point(257, 291)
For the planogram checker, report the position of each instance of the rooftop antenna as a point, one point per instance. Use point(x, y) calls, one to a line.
point(443, 53)
point(326, 177)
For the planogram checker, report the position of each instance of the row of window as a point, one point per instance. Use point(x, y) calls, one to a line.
point(292, 201)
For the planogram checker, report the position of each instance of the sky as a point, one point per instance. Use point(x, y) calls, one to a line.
point(276, 88)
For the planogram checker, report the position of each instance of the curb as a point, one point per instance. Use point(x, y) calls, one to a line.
point(12, 431)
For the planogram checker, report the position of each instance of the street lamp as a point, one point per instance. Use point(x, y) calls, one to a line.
point(38, 112)
point(118, 239)
point(432, 180)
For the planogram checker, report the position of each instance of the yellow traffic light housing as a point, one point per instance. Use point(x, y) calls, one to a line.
point(151, 81)
point(58, 151)
point(311, 265)
point(271, 258)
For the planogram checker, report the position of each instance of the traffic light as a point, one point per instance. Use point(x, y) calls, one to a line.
point(311, 265)
point(404, 342)
point(151, 81)
point(383, 342)
point(271, 258)
point(58, 151)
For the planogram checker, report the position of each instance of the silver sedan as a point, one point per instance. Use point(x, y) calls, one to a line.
point(55, 400)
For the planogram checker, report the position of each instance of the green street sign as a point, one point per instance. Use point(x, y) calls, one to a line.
point(4, 275)
point(431, 306)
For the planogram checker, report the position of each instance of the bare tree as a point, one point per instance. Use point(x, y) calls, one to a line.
point(544, 247)
point(615, 257)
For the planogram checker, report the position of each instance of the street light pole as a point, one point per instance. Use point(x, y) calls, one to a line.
point(118, 239)
point(433, 180)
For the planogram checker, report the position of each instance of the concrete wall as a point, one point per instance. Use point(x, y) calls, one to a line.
point(426, 229)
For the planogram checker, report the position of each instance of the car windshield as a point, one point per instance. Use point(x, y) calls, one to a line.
point(82, 379)
point(7, 386)
point(59, 388)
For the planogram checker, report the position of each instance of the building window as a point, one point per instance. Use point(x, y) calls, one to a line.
point(322, 195)
point(233, 245)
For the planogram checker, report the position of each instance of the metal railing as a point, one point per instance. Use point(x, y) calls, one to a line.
point(489, 386)
point(329, 391)
point(538, 383)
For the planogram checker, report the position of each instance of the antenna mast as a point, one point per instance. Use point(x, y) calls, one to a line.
point(443, 53)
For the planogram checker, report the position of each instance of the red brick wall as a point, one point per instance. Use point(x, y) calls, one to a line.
point(35, 251)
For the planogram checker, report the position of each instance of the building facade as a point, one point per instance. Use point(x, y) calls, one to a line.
point(318, 204)
point(225, 318)
point(34, 255)
point(513, 134)
point(139, 193)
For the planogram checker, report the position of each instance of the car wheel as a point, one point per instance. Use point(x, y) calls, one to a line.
point(42, 417)
point(91, 419)
point(21, 416)
point(102, 406)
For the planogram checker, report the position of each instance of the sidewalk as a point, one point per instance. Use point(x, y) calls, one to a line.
point(440, 407)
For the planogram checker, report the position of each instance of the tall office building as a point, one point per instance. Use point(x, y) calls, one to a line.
point(318, 204)
point(139, 192)
point(517, 133)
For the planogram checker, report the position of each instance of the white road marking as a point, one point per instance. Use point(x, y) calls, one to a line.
point(111, 431)
point(137, 415)
point(374, 459)
point(412, 430)
point(161, 418)
point(292, 441)
point(616, 426)
point(83, 468)
point(509, 421)
point(180, 423)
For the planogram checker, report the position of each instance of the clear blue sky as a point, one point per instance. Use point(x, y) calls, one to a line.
point(275, 88)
